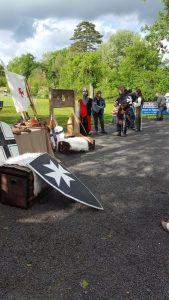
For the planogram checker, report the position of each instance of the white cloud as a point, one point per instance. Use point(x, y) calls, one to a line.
point(41, 26)
point(49, 35)
point(8, 46)
point(110, 24)
point(54, 34)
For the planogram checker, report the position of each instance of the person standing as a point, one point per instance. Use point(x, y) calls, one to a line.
point(84, 112)
point(98, 105)
point(122, 114)
point(138, 109)
point(161, 102)
point(167, 101)
point(114, 113)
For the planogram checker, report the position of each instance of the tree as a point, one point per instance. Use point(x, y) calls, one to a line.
point(52, 63)
point(86, 37)
point(38, 82)
point(23, 65)
point(80, 69)
point(139, 68)
point(114, 50)
point(159, 31)
point(2, 77)
point(90, 69)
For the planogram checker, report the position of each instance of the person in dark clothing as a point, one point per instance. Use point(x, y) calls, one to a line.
point(131, 99)
point(84, 112)
point(98, 105)
point(122, 114)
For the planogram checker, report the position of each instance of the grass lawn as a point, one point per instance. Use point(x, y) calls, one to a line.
point(9, 115)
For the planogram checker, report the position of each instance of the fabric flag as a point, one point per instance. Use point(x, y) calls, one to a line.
point(18, 91)
point(17, 87)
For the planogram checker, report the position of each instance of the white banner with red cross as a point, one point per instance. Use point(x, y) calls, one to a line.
point(18, 91)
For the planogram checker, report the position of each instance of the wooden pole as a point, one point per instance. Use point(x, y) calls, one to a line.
point(31, 100)
point(91, 91)
point(23, 115)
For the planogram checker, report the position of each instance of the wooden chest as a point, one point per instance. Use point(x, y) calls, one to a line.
point(17, 186)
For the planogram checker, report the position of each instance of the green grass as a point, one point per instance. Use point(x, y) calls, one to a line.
point(9, 115)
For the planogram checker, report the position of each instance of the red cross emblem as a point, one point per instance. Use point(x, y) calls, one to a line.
point(21, 92)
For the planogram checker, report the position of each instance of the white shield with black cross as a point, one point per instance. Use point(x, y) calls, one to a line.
point(8, 146)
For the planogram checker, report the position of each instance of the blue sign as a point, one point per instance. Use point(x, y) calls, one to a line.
point(151, 108)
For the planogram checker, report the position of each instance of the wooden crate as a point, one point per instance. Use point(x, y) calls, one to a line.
point(17, 186)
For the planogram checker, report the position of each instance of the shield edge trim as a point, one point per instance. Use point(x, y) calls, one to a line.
point(101, 207)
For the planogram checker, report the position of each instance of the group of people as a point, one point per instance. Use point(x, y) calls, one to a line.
point(126, 114)
point(127, 110)
point(87, 107)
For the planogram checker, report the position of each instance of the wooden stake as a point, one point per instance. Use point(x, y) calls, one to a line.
point(31, 100)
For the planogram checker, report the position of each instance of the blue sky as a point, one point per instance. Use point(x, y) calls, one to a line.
point(38, 26)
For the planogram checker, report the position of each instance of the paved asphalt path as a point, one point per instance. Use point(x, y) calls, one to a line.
point(63, 250)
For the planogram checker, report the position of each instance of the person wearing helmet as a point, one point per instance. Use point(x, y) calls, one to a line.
point(84, 112)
